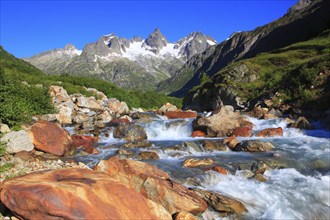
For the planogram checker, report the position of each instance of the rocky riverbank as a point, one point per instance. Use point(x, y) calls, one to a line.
point(44, 157)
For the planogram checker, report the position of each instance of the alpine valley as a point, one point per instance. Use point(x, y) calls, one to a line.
point(190, 130)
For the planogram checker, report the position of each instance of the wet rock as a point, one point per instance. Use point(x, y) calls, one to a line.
point(166, 108)
point(194, 162)
point(17, 141)
point(269, 116)
point(259, 167)
point(195, 146)
point(136, 144)
point(148, 155)
point(50, 138)
point(130, 132)
point(231, 141)
point(220, 124)
point(258, 112)
point(53, 194)
point(218, 145)
point(198, 134)
point(302, 123)
point(245, 131)
point(142, 117)
point(124, 152)
point(223, 204)
point(154, 184)
point(180, 114)
point(219, 170)
point(4, 128)
point(254, 146)
point(85, 142)
point(245, 173)
point(184, 216)
point(259, 177)
point(270, 132)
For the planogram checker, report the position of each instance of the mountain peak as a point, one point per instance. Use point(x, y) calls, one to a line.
point(70, 47)
point(156, 39)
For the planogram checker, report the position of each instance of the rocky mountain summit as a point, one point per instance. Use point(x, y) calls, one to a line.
point(130, 63)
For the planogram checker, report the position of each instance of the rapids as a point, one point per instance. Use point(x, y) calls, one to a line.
point(298, 186)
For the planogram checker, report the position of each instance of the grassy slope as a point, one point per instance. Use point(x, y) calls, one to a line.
point(20, 101)
point(299, 72)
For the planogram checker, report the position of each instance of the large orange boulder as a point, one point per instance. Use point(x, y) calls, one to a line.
point(270, 132)
point(154, 184)
point(180, 114)
point(76, 194)
point(49, 137)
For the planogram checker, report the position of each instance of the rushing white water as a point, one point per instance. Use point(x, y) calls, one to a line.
point(164, 129)
point(286, 195)
point(299, 190)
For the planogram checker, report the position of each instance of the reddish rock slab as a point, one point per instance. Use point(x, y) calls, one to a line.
point(180, 114)
point(245, 131)
point(49, 137)
point(76, 194)
point(198, 134)
point(270, 132)
point(85, 142)
point(219, 170)
point(154, 184)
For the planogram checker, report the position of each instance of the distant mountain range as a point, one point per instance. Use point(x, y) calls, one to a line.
point(135, 63)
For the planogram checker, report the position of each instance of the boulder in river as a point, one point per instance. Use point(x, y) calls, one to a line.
point(154, 184)
point(219, 169)
point(212, 145)
point(76, 194)
point(223, 204)
point(270, 132)
point(198, 134)
point(85, 142)
point(131, 132)
point(245, 131)
point(50, 138)
point(302, 123)
point(194, 162)
point(166, 108)
point(254, 146)
point(220, 124)
point(148, 155)
point(180, 114)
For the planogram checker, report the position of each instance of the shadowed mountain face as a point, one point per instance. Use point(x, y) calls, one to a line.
point(134, 63)
point(304, 20)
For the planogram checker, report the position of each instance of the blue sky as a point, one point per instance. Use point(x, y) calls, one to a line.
point(31, 27)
